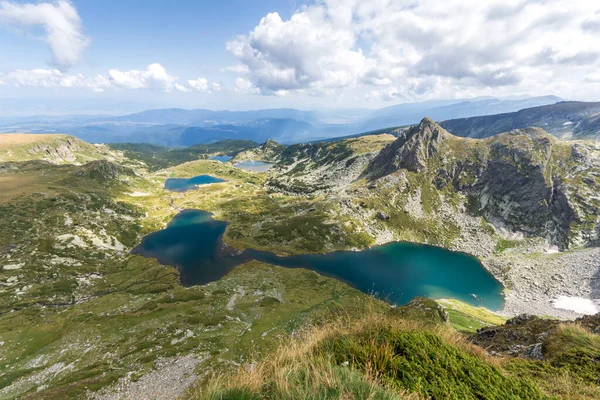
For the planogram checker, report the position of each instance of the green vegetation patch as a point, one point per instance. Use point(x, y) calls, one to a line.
point(420, 361)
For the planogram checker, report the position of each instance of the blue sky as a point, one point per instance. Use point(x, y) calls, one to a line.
point(111, 56)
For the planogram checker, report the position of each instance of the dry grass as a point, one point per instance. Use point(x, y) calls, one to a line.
point(303, 357)
point(12, 139)
point(370, 143)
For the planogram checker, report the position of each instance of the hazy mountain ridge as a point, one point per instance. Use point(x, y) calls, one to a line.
point(180, 127)
point(565, 119)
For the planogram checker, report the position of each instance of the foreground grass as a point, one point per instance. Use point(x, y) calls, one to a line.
point(375, 356)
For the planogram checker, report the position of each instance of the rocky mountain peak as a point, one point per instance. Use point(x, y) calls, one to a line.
point(410, 151)
point(103, 171)
point(271, 145)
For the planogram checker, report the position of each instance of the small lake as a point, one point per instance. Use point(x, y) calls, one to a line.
point(257, 166)
point(184, 184)
point(220, 158)
point(396, 272)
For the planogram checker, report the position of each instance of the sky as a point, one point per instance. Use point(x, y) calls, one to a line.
point(106, 56)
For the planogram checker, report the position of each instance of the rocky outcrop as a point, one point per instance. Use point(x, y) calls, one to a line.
point(324, 166)
point(103, 171)
point(269, 151)
point(522, 181)
point(54, 148)
point(64, 150)
point(516, 188)
point(410, 151)
point(528, 336)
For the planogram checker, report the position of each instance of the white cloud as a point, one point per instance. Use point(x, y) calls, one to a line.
point(55, 78)
point(154, 77)
point(593, 78)
point(243, 85)
point(413, 48)
point(198, 85)
point(60, 21)
point(238, 69)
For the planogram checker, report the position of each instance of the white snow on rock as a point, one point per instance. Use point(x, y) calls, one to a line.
point(577, 304)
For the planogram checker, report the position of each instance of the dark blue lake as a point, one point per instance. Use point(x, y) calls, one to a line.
point(220, 158)
point(184, 184)
point(396, 272)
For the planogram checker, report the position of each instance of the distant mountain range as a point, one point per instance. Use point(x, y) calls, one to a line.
point(179, 127)
point(412, 113)
point(568, 119)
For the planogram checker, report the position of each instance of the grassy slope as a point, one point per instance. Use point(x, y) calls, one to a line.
point(280, 223)
point(378, 355)
point(23, 147)
point(64, 292)
point(160, 157)
point(137, 312)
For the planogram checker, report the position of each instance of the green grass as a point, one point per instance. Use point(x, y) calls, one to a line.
point(467, 318)
point(372, 355)
point(162, 157)
point(421, 361)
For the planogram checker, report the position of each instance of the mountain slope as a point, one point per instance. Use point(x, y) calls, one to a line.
point(321, 166)
point(565, 119)
point(54, 148)
point(524, 180)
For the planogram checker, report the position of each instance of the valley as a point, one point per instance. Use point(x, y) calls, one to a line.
point(80, 315)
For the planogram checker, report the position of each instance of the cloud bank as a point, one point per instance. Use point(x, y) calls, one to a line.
point(154, 77)
point(60, 22)
point(405, 48)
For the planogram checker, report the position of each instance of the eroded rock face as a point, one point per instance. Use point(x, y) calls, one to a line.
point(515, 188)
point(523, 181)
point(410, 151)
point(527, 336)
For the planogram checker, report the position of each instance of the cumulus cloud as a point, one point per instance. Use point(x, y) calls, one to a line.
point(243, 85)
point(154, 77)
point(198, 85)
point(60, 22)
point(395, 48)
point(55, 78)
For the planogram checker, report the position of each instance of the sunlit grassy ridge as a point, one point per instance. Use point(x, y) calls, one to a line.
point(376, 355)
point(56, 148)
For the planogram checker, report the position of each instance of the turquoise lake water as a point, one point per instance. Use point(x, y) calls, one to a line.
point(220, 158)
point(183, 184)
point(395, 272)
point(258, 166)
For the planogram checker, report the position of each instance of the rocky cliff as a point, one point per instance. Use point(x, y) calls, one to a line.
point(524, 181)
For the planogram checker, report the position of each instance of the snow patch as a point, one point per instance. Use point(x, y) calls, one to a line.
point(577, 304)
point(552, 250)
